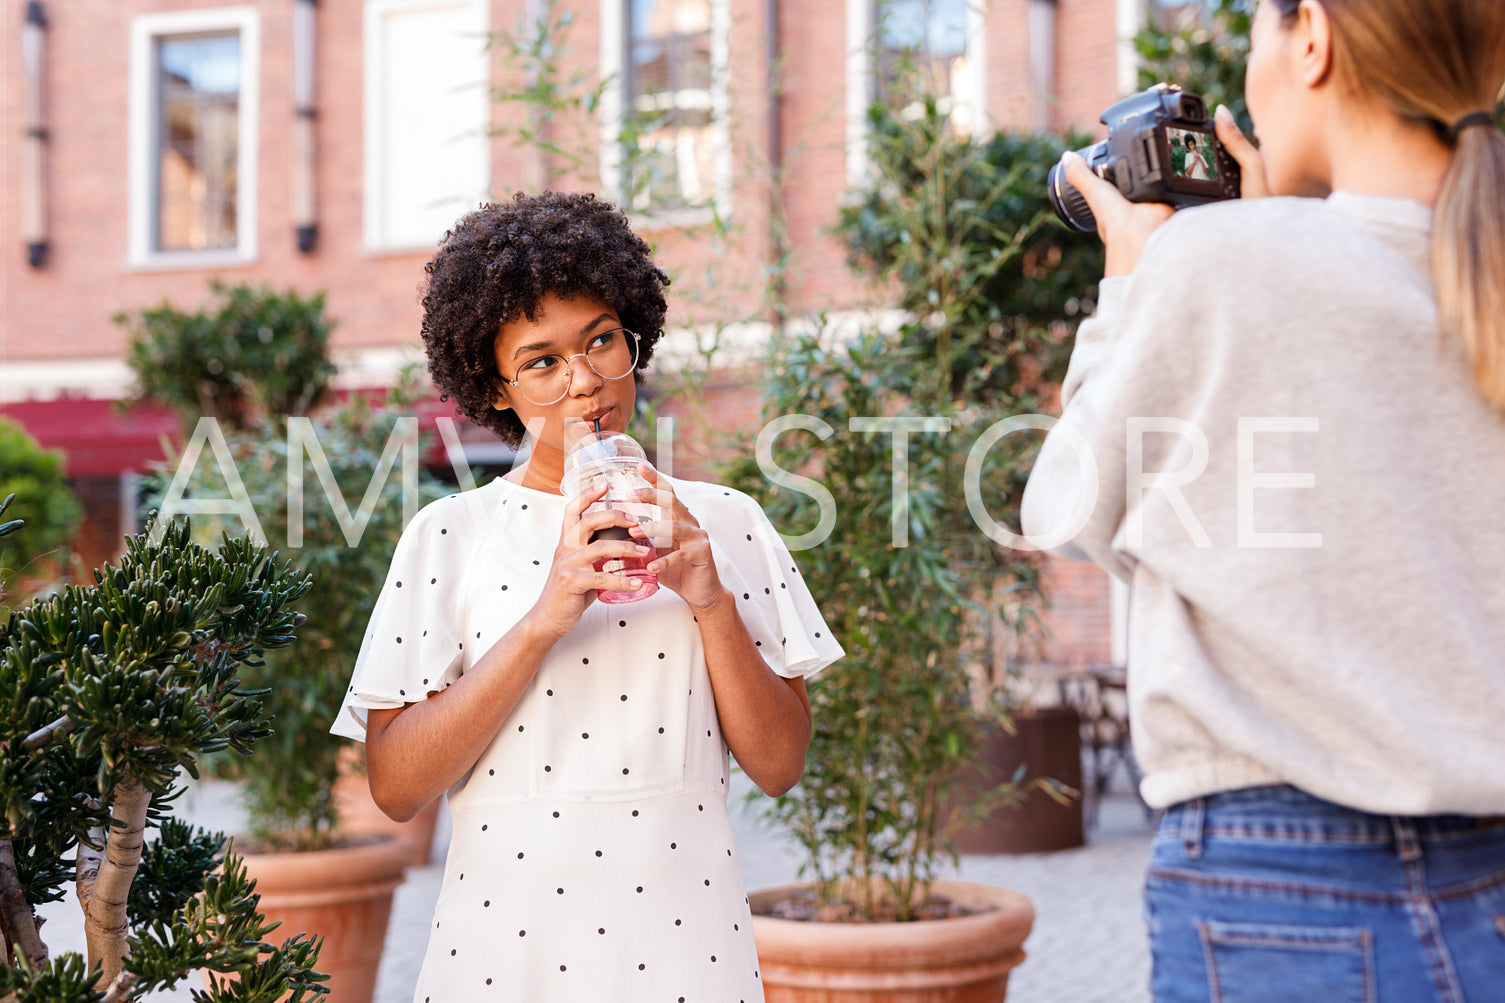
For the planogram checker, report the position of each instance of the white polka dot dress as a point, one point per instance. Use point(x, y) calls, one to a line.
point(591, 855)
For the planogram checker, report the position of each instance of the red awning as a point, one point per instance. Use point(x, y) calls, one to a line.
point(98, 439)
point(101, 440)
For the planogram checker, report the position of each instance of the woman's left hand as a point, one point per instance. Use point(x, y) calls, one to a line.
point(684, 563)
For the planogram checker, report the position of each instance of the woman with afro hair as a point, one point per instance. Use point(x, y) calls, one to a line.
point(584, 746)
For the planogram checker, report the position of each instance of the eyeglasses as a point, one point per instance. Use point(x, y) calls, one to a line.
point(612, 355)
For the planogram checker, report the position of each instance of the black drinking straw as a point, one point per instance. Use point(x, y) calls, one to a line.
point(597, 422)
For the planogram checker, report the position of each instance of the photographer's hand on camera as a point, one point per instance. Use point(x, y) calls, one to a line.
point(1124, 226)
point(1251, 163)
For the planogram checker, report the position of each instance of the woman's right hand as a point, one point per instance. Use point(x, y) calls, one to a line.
point(1250, 161)
point(1124, 226)
point(573, 580)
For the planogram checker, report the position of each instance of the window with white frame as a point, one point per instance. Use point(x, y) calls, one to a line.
point(193, 110)
point(1171, 14)
point(898, 50)
point(665, 127)
point(427, 115)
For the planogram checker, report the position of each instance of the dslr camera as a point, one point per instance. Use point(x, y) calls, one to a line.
point(1160, 148)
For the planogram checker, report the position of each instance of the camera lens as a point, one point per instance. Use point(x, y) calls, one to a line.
point(1068, 202)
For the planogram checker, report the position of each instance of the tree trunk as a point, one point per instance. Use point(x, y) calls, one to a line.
point(87, 859)
point(104, 913)
point(120, 989)
point(15, 912)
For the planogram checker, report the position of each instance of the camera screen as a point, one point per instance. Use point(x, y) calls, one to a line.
point(1191, 153)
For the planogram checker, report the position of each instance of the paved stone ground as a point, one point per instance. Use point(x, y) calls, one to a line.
point(1088, 944)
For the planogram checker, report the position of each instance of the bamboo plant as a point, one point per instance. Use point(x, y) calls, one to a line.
point(955, 232)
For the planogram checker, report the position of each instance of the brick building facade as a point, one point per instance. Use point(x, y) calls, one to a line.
point(157, 144)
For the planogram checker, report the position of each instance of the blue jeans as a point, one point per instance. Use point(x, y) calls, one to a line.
point(1269, 895)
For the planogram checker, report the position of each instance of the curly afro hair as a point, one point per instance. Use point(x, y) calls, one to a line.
point(499, 262)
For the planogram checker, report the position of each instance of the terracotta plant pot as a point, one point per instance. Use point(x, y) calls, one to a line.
point(345, 895)
point(961, 960)
point(360, 816)
point(1047, 743)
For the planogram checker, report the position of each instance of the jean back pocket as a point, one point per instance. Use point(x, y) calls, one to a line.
point(1263, 963)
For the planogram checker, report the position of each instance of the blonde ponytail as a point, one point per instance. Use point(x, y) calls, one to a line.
point(1468, 255)
point(1442, 62)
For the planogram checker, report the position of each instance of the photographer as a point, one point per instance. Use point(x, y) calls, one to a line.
point(1285, 427)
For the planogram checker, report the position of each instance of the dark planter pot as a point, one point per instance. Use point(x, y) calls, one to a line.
point(1047, 743)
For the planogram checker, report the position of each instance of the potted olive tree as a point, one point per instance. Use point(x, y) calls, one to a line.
point(112, 692)
point(956, 230)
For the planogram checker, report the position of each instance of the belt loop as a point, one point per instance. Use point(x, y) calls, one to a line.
point(1407, 845)
point(1192, 814)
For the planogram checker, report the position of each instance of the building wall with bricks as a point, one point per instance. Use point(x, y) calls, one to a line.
point(789, 76)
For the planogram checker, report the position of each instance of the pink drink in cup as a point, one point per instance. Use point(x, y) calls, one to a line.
point(595, 458)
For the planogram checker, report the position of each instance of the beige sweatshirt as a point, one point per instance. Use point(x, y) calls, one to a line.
point(1307, 495)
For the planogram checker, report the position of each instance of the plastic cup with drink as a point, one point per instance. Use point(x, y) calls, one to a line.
point(594, 458)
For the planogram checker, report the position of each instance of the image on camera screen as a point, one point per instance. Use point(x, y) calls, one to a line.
point(1192, 155)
